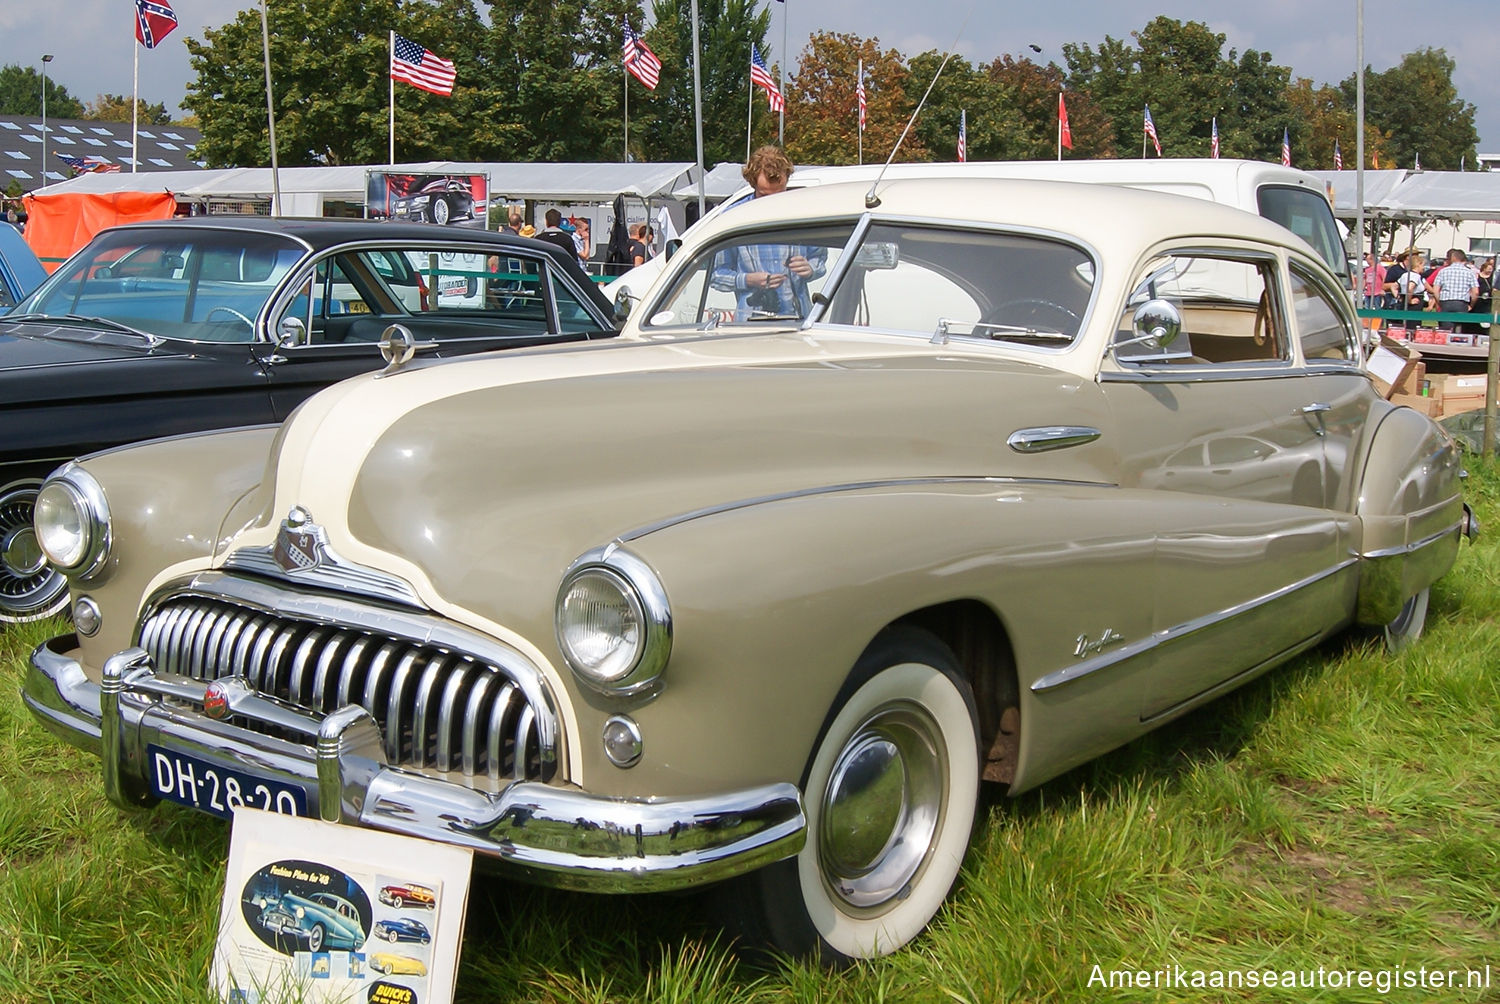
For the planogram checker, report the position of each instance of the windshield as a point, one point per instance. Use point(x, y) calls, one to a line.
point(197, 285)
point(899, 277)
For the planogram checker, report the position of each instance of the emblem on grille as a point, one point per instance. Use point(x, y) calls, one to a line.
point(299, 545)
point(216, 700)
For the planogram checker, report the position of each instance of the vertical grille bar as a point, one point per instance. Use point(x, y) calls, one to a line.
point(351, 669)
point(495, 764)
point(476, 713)
point(396, 721)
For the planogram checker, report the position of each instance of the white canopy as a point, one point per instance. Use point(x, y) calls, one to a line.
point(1451, 195)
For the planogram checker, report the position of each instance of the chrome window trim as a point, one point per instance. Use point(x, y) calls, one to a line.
point(1342, 306)
point(1073, 673)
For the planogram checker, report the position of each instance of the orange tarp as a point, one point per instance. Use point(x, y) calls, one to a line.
point(57, 225)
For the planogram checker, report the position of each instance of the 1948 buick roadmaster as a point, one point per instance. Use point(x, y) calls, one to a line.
point(871, 501)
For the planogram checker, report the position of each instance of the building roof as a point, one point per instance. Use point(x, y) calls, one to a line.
point(158, 148)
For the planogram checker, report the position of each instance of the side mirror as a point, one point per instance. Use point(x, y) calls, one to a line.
point(671, 248)
point(1157, 324)
point(290, 333)
point(625, 301)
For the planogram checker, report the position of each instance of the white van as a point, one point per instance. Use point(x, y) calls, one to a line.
point(1295, 199)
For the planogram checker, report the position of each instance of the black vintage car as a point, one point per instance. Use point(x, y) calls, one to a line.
point(164, 328)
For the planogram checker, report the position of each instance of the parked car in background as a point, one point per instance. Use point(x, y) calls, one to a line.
point(440, 200)
point(391, 964)
point(759, 592)
point(321, 920)
point(159, 329)
point(401, 929)
point(408, 894)
point(20, 271)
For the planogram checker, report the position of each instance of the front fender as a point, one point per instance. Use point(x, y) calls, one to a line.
point(167, 503)
point(1411, 512)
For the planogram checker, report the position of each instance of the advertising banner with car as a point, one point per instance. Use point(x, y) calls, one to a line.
point(301, 922)
point(446, 199)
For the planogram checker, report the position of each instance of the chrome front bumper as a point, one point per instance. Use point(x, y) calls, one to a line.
point(553, 835)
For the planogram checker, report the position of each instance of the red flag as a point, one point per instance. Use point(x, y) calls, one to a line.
point(154, 20)
point(1065, 134)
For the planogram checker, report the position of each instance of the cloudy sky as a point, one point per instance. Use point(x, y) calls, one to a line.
point(92, 40)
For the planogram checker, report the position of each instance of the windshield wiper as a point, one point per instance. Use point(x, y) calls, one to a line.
point(1020, 333)
point(766, 315)
point(80, 319)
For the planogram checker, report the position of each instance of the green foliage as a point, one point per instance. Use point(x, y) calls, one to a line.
point(116, 108)
point(21, 94)
point(1417, 106)
point(822, 108)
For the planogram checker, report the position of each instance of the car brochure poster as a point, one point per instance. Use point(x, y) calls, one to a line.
point(316, 912)
point(460, 200)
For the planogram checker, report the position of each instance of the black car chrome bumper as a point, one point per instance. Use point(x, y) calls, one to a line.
point(553, 835)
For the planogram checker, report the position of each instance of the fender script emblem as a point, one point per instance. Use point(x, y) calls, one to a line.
point(1084, 647)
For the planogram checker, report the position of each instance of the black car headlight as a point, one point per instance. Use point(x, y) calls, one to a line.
point(613, 623)
point(71, 519)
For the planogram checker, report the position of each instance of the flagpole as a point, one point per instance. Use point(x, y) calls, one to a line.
point(1143, 139)
point(749, 117)
point(265, 41)
point(135, 104)
point(781, 70)
point(860, 111)
point(1059, 124)
point(626, 70)
point(698, 114)
point(390, 81)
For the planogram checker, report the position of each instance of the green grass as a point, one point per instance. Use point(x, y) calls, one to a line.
point(1342, 812)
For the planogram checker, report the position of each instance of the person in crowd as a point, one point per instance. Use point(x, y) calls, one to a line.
point(557, 233)
point(1374, 280)
point(769, 279)
point(1483, 304)
point(1457, 286)
point(637, 244)
point(1409, 288)
point(581, 238)
point(514, 219)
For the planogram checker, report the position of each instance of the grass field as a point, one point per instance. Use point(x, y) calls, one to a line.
point(1342, 813)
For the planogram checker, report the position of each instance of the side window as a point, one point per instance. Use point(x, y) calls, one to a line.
point(572, 315)
point(1308, 215)
point(1323, 331)
point(1227, 306)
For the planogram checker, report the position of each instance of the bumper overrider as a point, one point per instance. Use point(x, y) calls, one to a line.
point(550, 834)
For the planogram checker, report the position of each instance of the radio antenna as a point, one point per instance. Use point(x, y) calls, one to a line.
point(871, 199)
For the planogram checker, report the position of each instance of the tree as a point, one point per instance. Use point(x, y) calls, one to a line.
point(1419, 112)
point(1032, 91)
point(1258, 109)
point(1321, 121)
point(822, 109)
point(116, 108)
point(21, 94)
point(958, 94)
point(726, 30)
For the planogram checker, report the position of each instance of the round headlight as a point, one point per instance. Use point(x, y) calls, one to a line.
point(72, 521)
point(613, 626)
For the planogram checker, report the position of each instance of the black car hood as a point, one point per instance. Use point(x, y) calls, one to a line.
point(30, 344)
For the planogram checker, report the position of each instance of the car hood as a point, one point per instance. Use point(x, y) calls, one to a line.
point(30, 344)
point(478, 476)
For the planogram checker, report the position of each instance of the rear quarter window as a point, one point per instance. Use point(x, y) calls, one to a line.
point(1308, 215)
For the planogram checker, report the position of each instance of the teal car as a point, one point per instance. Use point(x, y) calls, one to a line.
point(322, 919)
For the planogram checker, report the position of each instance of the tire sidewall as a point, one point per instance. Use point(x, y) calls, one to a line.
point(908, 667)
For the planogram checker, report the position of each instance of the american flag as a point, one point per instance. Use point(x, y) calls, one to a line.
point(421, 68)
point(154, 21)
point(963, 135)
point(1338, 157)
point(640, 60)
point(859, 93)
point(1286, 149)
point(1151, 131)
point(761, 77)
point(1214, 146)
point(87, 165)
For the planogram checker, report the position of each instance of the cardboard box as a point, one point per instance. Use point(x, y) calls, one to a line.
point(1432, 407)
point(1392, 365)
point(1463, 392)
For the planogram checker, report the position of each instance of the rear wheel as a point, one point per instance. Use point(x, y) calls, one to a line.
point(1407, 625)
point(890, 795)
point(30, 589)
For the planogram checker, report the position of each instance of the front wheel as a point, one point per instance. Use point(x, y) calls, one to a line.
point(315, 938)
point(439, 209)
point(890, 795)
point(30, 589)
point(1407, 625)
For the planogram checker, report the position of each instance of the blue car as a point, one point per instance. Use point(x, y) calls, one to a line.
point(20, 272)
point(401, 929)
point(323, 920)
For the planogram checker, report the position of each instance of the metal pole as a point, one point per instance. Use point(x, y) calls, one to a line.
point(698, 110)
point(1359, 144)
point(781, 70)
point(749, 118)
point(46, 58)
point(390, 154)
point(265, 41)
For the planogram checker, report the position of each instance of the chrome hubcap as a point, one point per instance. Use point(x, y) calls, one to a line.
point(29, 587)
point(882, 806)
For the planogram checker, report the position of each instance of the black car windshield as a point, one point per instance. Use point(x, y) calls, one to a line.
point(198, 285)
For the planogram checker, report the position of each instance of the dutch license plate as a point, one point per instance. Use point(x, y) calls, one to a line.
point(199, 784)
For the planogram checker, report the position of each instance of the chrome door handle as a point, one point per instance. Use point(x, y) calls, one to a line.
point(1318, 408)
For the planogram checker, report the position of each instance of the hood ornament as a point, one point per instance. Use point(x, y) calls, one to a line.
point(301, 543)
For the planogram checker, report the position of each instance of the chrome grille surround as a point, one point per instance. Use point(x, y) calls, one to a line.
point(447, 699)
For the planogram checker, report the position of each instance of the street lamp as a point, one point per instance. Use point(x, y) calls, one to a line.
point(46, 58)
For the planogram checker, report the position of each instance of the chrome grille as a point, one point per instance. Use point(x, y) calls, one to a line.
point(437, 708)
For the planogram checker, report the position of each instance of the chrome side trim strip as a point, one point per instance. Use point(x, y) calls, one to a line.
point(1069, 674)
point(851, 486)
point(1207, 373)
point(1432, 538)
point(1051, 437)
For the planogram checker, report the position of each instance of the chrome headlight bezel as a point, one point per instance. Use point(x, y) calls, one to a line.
point(642, 593)
point(81, 494)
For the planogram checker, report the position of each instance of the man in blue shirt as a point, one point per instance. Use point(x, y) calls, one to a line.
point(769, 280)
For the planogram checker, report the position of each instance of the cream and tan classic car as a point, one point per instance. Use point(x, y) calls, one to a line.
point(884, 493)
